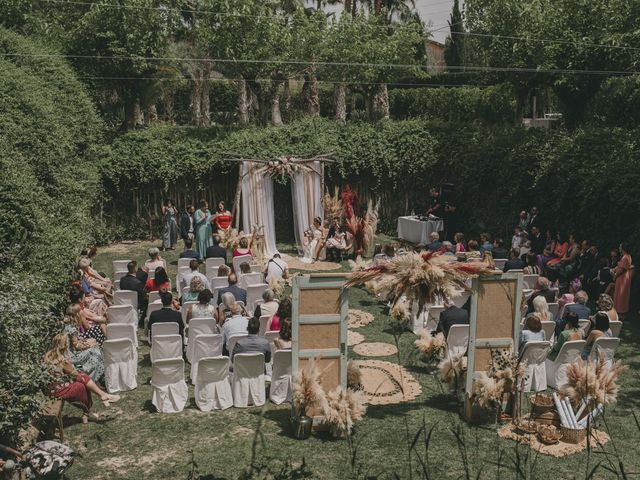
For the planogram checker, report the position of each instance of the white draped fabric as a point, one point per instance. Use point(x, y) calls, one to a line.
point(120, 365)
point(306, 195)
point(257, 204)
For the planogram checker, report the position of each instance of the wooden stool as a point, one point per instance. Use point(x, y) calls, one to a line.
point(53, 409)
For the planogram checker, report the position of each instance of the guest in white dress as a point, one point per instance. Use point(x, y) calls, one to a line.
point(312, 242)
point(202, 309)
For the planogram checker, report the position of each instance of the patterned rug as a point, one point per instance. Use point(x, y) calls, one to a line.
point(358, 318)
point(375, 349)
point(296, 264)
point(387, 383)
point(354, 338)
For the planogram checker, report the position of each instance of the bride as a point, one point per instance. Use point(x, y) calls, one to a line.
point(312, 242)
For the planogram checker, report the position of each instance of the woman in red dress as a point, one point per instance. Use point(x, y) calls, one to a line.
point(72, 385)
point(222, 218)
point(159, 282)
point(622, 276)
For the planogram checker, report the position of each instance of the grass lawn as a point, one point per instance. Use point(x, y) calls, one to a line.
point(134, 442)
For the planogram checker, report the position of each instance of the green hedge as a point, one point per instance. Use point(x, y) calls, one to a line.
point(585, 180)
point(49, 182)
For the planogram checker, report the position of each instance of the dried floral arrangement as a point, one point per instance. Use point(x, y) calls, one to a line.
point(230, 237)
point(344, 408)
point(432, 347)
point(333, 205)
point(361, 227)
point(283, 167)
point(278, 285)
point(420, 277)
point(593, 382)
point(453, 370)
point(307, 392)
point(354, 376)
point(504, 375)
point(400, 311)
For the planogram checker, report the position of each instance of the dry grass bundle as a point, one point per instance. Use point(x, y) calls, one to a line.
point(432, 347)
point(333, 205)
point(230, 237)
point(454, 371)
point(283, 167)
point(354, 376)
point(488, 390)
point(307, 391)
point(359, 264)
point(400, 310)
point(344, 408)
point(593, 382)
point(421, 277)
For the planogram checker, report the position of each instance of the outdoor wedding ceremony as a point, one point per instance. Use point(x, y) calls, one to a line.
point(249, 239)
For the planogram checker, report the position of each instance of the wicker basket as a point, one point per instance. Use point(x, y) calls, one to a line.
point(573, 435)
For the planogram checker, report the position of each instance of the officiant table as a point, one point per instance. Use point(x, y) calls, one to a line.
point(414, 230)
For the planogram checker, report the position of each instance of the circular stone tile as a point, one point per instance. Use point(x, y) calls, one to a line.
point(358, 318)
point(354, 338)
point(387, 383)
point(375, 349)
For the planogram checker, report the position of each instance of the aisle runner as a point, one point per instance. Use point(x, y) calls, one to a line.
point(358, 318)
point(354, 338)
point(387, 383)
point(375, 349)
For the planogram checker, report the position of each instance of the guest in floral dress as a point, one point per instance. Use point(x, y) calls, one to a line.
point(85, 353)
point(86, 328)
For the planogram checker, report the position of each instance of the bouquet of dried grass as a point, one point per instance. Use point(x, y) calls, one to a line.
point(400, 310)
point(593, 382)
point(230, 237)
point(283, 167)
point(278, 285)
point(307, 391)
point(359, 264)
point(431, 347)
point(333, 205)
point(454, 371)
point(488, 390)
point(354, 376)
point(421, 277)
point(343, 409)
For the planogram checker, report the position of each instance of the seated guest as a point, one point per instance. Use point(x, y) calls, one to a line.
point(224, 271)
point(202, 309)
point(525, 246)
point(223, 312)
point(215, 250)
point(336, 243)
point(538, 241)
point(600, 329)
point(195, 287)
point(580, 306)
point(71, 384)
point(186, 279)
point(567, 298)
point(531, 267)
point(541, 307)
point(517, 238)
point(485, 243)
point(283, 342)
point(89, 284)
point(605, 304)
point(276, 269)
point(499, 251)
point(239, 294)
point(283, 314)
point(85, 354)
point(472, 250)
point(131, 282)
point(514, 262)
point(159, 282)
point(155, 260)
point(458, 238)
point(252, 343)
point(447, 248)
point(435, 244)
point(268, 307)
point(90, 253)
point(542, 288)
point(245, 267)
point(235, 325)
point(570, 332)
point(86, 329)
point(166, 314)
point(244, 247)
point(388, 252)
point(189, 252)
point(451, 315)
point(532, 331)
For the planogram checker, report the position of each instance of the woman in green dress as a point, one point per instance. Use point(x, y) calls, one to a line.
point(202, 225)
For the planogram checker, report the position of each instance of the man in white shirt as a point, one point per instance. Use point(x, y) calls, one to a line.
point(235, 325)
point(185, 281)
point(276, 269)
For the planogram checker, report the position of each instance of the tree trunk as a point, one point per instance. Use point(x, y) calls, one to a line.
point(196, 98)
point(347, 6)
point(340, 95)
point(521, 98)
point(152, 114)
point(169, 108)
point(243, 103)
point(138, 115)
point(310, 88)
point(353, 102)
point(276, 117)
point(368, 103)
point(381, 102)
point(288, 112)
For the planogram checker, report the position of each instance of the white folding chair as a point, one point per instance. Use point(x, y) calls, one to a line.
point(212, 264)
point(530, 279)
point(120, 365)
point(254, 292)
point(249, 279)
point(271, 337)
point(126, 297)
point(184, 262)
point(457, 340)
point(605, 346)
point(433, 317)
point(616, 328)
point(119, 265)
point(248, 380)
point(241, 259)
point(122, 314)
point(264, 323)
point(116, 285)
point(166, 346)
point(154, 297)
point(119, 274)
point(584, 324)
point(151, 274)
point(208, 345)
point(165, 328)
point(549, 328)
point(535, 354)
point(219, 282)
point(152, 307)
point(232, 340)
point(500, 263)
point(255, 268)
point(281, 388)
point(199, 326)
point(554, 307)
point(118, 331)
point(185, 291)
point(557, 370)
point(170, 391)
point(213, 390)
point(184, 310)
point(556, 291)
point(182, 271)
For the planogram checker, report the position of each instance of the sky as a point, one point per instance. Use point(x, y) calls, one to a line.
point(436, 14)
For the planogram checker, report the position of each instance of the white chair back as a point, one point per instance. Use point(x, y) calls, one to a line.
point(219, 282)
point(166, 346)
point(248, 380)
point(249, 279)
point(254, 292)
point(185, 291)
point(126, 297)
point(271, 336)
point(119, 274)
point(119, 331)
point(212, 264)
point(584, 324)
point(616, 328)
point(255, 268)
point(281, 388)
point(554, 307)
point(232, 340)
point(500, 263)
point(433, 317)
point(170, 391)
point(184, 262)
point(120, 365)
point(116, 285)
point(535, 354)
point(208, 345)
point(241, 259)
point(213, 390)
point(378, 257)
point(529, 280)
point(152, 307)
point(457, 340)
point(119, 265)
point(122, 314)
point(184, 310)
point(151, 274)
point(165, 328)
point(199, 326)
point(264, 323)
point(549, 328)
point(154, 297)
point(605, 346)
point(557, 370)
point(555, 291)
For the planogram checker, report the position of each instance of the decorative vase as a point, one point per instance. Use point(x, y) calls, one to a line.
point(302, 427)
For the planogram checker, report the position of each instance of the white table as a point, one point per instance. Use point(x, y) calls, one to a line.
point(417, 231)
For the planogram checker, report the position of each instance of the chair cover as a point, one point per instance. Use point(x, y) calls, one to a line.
point(219, 282)
point(241, 259)
point(125, 297)
point(264, 323)
point(152, 308)
point(535, 354)
point(170, 391)
point(206, 345)
point(554, 307)
point(119, 265)
point(199, 326)
point(165, 328)
point(457, 340)
point(154, 297)
point(117, 275)
point(615, 326)
point(120, 365)
point(118, 331)
point(116, 285)
point(122, 314)
point(185, 309)
point(605, 346)
point(184, 262)
point(271, 336)
point(213, 390)
point(166, 346)
point(281, 387)
point(584, 323)
point(232, 340)
point(529, 280)
point(254, 292)
point(500, 263)
point(248, 380)
point(557, 371)
point(433, 317)
point(212, 264)
point(549, 329)
point(249, 279)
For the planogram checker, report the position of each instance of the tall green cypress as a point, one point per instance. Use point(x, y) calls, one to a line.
point(454, 44)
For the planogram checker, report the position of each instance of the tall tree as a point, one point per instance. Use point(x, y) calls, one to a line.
point(454, 44)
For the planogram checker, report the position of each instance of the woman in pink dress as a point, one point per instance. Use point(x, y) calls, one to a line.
point(622, 276)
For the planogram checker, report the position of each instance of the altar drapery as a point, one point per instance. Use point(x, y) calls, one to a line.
point(306, 195)
point(257, 204)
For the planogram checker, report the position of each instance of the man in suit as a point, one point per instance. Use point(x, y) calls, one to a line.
point(498, 249)
point(186, 223)
point(252, 343)
point(538, 242)
point(543, 287)
point(189, 252)
point(514, 262)
point(534, 220)
point(451, 315)
point(240, 294)
point(166, 314)
point(131, 282)
point(215, 250)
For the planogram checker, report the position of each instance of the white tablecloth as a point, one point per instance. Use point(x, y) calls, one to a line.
point(417, 231)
